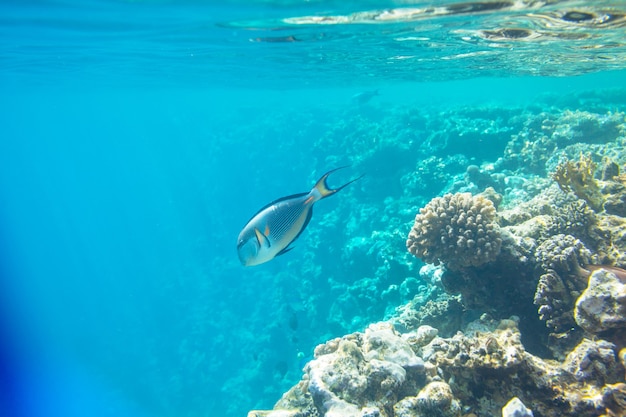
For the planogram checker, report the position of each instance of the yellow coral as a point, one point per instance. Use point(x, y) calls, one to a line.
point(577, 177)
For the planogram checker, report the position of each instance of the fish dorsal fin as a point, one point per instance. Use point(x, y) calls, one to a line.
point(261, 238)
point(289, 197)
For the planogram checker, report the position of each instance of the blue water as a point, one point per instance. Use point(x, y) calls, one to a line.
point(138, 137)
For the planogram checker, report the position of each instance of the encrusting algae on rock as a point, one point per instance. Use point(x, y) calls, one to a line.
point(602, 306)
point(382, 373)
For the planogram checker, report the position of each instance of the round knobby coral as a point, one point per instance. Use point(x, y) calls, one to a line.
point(458, 230)
point(562, 253)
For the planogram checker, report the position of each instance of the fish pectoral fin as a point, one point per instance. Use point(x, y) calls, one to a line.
point(284, 251)
point(262, 239)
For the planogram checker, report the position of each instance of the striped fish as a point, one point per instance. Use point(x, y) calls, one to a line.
point(272, 230)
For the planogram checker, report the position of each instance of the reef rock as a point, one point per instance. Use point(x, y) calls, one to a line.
point(593, 360)
point(350, 374)
point(382, 373)
point(425, 334)
point(435, 399)
point(444, 313)
point(516, 408)
point(602, 306)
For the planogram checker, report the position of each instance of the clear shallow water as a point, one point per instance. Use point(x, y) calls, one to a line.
point(138, 137)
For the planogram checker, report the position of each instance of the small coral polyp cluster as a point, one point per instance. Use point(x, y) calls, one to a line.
point(458, 230)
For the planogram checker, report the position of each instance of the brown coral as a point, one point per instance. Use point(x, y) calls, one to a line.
point(559, 286)
point(577, 177)
point(562, 253)
point(458, 230)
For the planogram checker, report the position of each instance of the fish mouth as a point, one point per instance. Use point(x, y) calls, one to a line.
point(242, 258)
point(247, 250)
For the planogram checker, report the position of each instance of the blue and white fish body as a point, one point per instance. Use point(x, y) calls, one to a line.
point(364, 97)
point(271, 231)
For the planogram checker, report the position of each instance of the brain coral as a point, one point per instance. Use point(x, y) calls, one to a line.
point(458, 230)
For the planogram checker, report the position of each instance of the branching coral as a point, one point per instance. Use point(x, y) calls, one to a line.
point(577, 177)
point(458, 230)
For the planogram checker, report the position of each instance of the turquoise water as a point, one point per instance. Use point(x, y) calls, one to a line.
point(138, 137)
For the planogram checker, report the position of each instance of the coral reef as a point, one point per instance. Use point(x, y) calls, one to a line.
point(458, 230)
point(545, 133)
point(545, 240)
point(550, 213)
point(426, 178)
point(444, 313)
point(473, 132)
point(543, 232)
point(384, 373)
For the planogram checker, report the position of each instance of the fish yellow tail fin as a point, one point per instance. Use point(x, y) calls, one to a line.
point(324, 190)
